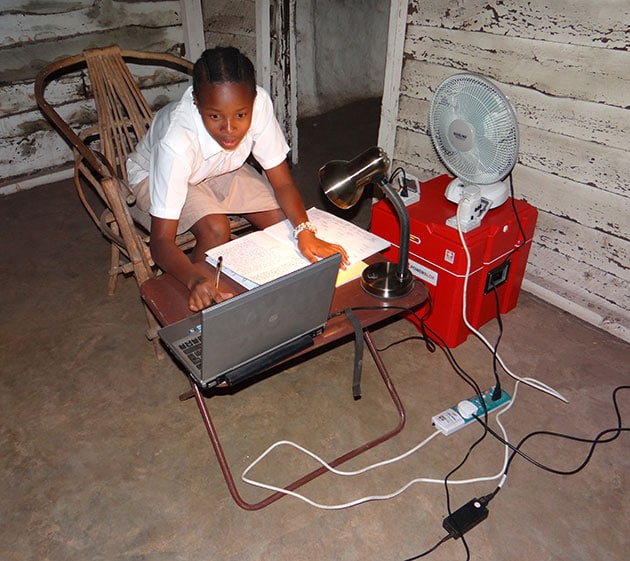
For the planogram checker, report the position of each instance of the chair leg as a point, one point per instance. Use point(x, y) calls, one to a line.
point(114, 271)
point(152, 334)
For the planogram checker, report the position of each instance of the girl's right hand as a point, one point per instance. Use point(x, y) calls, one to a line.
point(203, 294)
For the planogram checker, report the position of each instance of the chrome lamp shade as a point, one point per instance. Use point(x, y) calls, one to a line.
point(343, 183)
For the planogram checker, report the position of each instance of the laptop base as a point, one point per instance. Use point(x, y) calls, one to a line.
point(258, 365)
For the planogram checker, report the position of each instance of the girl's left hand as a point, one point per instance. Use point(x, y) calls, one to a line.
point(313, 248)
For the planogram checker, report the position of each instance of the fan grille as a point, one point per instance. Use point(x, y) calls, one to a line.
point(474, 129)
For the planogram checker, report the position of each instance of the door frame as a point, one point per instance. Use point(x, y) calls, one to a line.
point(393, 73)
point(271, 76)
point(276, 63)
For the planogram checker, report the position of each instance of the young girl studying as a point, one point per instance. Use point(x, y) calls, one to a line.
point(189, 171)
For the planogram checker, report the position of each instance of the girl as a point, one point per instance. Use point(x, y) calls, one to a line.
point(189, 171)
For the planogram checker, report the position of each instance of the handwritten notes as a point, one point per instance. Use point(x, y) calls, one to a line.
point(265, 255)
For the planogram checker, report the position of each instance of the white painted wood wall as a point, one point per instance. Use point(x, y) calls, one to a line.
point(36, 34)
point(566, 69)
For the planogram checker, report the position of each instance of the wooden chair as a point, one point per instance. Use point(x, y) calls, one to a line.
point(123, 117)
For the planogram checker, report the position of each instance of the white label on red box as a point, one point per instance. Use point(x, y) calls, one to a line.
point(449, 256)
point(423, 273)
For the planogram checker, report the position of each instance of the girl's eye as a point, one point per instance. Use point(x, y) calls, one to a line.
point(241, 115)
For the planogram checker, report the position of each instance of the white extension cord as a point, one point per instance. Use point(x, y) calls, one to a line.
point(529, 381)
point(500, 475)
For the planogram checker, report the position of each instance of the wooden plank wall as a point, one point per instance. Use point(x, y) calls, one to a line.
point(566, 70)
point(231, 23)
point(36, 33)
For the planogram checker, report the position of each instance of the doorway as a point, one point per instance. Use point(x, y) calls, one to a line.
point(339, 55)
point(341, 50)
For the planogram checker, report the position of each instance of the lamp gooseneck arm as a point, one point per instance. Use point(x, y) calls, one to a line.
point(403, 217)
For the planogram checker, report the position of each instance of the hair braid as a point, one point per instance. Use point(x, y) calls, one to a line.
point(223, 64)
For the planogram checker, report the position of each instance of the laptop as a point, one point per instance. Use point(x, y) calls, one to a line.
point(236, 339)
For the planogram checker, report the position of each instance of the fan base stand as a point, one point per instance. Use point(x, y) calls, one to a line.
point(497, 193)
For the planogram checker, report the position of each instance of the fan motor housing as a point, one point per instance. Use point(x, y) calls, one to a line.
point(461, 135)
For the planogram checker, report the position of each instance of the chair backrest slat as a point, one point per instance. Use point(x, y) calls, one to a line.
point(123, 113)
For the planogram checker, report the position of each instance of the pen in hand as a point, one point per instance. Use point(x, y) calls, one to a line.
point(217, 277)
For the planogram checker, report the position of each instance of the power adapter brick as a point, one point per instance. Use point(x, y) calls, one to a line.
point(466, 517)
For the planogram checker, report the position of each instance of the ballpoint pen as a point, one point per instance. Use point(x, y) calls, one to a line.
point(218, 274)
point(217, 277)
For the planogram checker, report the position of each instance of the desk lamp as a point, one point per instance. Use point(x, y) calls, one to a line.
point(343, 183)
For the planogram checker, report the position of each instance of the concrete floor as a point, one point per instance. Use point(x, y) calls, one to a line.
point(100, 461)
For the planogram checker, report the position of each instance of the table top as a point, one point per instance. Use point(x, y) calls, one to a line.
point(167, 298)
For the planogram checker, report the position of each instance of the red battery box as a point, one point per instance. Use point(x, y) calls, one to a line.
point(498, 257)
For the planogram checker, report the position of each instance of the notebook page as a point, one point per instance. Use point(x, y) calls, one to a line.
point(256, 257)
point(358, 243)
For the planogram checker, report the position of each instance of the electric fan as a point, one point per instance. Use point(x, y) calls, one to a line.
point(475, 133)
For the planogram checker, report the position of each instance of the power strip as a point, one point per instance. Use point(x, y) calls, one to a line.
point(464, 412)
point(412, 191)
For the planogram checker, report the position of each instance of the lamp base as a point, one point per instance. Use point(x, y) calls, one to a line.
point(382, 280)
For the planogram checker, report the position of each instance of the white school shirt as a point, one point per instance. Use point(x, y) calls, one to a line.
point(177, 152)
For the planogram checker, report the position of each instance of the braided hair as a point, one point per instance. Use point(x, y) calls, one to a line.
point(223, 64)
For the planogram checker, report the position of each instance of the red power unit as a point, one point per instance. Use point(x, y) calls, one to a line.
point(498, 256)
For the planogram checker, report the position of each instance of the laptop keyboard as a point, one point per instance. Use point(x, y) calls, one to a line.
point(192, 348)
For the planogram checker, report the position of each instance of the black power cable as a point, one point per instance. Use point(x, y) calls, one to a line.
point(431, 550)
point(471, 513)
point(599, 439)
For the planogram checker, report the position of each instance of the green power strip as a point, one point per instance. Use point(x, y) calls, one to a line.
point(465, 411)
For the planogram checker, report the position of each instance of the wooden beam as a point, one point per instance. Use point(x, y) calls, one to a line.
point(263, 44)
point(393, 72)
point(192, 22)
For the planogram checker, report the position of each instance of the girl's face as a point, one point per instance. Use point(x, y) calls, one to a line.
point(226, 110)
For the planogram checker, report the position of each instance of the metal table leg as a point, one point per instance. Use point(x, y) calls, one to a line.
point(225, 468)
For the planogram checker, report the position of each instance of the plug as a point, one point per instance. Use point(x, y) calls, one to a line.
point(466, 517)
point(496, 393)
point(471, 209)
point(409, 189)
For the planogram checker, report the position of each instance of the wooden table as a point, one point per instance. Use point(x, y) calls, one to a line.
point(168, 300)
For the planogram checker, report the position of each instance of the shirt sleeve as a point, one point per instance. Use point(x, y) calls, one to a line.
point(270, 147)
point(168, 175)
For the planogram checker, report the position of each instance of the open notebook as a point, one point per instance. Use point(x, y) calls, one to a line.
point(265, 255)
point(232, 341)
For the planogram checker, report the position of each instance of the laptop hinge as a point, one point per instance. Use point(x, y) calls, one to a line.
point(268, 360)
